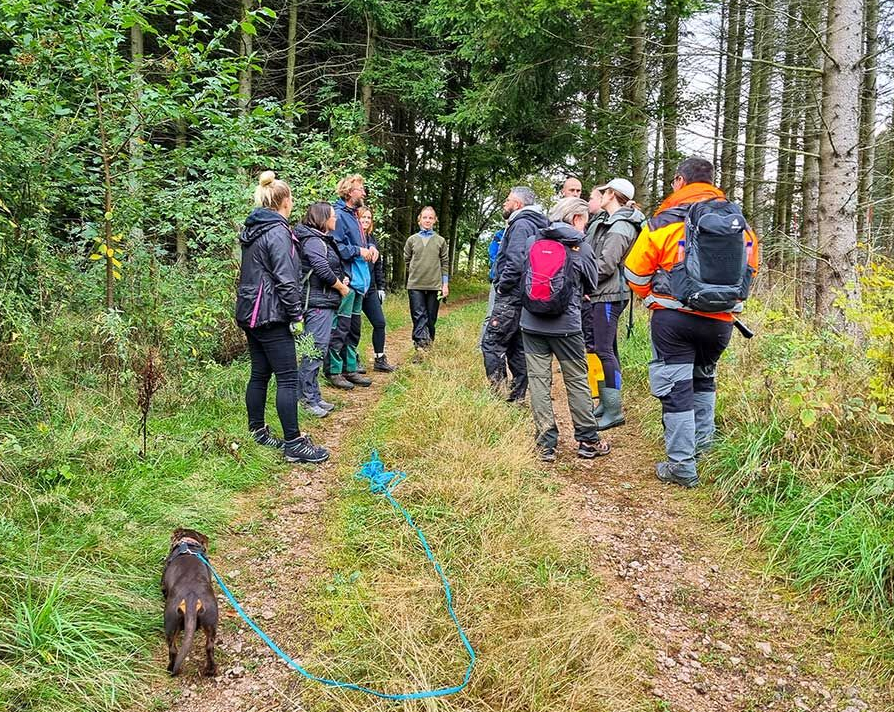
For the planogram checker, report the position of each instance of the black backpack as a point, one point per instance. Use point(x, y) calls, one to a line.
point(714, 274)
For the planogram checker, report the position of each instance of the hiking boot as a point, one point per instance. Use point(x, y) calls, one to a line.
point(339, 381)
point(302, 449)
point(548, 454)
point(315, 409)
point(612, 416)
point(358, 380)
point(669, 473)
point(590, 450)
point(263, 436)
point(381, 364)
point(326, 405)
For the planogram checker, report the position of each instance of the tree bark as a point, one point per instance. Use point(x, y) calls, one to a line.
point(245, 50)
point(758, 114)
point(735, 43)
point(291, 51)
point(718, 96)
point(839, 140)
point(669, 86)
point(788, 125)
point(639, 115)
point(868, 98)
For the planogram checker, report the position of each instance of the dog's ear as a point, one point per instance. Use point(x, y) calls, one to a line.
point(178, 534)
point(203, 540)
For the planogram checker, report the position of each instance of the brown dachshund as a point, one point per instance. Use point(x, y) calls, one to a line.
point(189, 599)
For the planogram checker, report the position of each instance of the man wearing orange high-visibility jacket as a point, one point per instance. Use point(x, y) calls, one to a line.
point(692, 265)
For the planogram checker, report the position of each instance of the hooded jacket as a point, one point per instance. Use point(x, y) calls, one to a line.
point(611, 236)
point(349, 238)
point(510, 265)
point(583, 272)
point(660, 246)
point(322, 265)
point(269, 290)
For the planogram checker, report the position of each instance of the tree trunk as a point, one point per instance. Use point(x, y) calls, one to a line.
point(657, 191)
point(735, 44)
point(868, 98)
point(245, 50)
point(718, 96)
point(639, 115)
point(291, 51)
point(839, 140)
point(788, 124)
point(810, 176)
point(366, 91)
point(758, 114)
point(669, 86)
point(135, 144)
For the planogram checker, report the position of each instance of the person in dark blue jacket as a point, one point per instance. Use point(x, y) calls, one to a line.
point(341, 366)
point(270, 311)
point(324, 288)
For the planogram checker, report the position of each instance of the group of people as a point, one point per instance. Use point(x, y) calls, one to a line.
point(317, 279)
point(560, 281)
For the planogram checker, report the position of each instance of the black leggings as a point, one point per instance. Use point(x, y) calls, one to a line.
point(604, 318)
point(372, 307)
point(272, 350)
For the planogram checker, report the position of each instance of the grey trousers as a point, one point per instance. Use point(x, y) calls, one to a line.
point(569, 350)
point(317, 323)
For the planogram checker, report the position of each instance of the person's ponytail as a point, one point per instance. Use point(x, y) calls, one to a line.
point(271, 192)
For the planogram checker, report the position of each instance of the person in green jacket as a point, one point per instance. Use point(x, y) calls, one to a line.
point(427, 259)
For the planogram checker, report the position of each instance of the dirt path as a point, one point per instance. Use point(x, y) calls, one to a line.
point(724, 636)
point(269, 559)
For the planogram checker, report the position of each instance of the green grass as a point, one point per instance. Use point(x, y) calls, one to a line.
point(522, 584)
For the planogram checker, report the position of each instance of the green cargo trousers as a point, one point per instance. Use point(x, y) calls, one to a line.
point(569, 350)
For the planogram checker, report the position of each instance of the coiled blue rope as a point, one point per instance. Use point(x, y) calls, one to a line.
point(380, 482)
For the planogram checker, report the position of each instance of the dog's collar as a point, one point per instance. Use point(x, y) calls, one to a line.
point(187, 545)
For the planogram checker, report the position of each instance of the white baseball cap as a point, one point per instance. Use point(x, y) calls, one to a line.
point(621, 186)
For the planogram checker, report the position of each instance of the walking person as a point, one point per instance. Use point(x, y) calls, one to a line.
point(559, 268)
point(502, 346)
point(693, 265)
point(374, 299)
point(492, 249)
point(270, 311)
point(610, 234)
point(428, 262)
point(325, 285)
point(341, 366)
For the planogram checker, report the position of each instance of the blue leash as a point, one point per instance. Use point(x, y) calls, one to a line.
point(380, 482)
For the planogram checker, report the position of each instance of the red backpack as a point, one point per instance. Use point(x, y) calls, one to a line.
point(549, 281)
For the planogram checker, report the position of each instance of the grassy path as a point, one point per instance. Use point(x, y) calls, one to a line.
point(583, 585)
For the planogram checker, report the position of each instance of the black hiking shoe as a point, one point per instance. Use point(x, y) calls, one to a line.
point(339, 381)
point(548, 454)
point(596, 449)
point(302, 449)
point(357, 379)
point(263, 436)
point(381, 364)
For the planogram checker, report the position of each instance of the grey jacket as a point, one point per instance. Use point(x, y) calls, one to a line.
point(610, 237)
point(583, 272)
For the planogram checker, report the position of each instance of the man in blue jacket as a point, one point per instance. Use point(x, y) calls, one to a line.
point(502, 335)
point(342, 363)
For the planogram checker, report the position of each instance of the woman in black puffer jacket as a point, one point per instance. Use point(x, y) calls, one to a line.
point(269, 310)
point(325, 285)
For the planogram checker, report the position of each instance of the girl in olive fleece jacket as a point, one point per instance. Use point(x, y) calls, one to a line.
point(427, 259)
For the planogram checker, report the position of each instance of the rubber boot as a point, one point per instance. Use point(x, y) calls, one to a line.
point(599, 409)
point(612, 414)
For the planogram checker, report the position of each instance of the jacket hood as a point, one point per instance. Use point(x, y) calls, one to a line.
point(564, 233)
point(691, 193)
point(532, 212)
point(303, 231)
point(625, 213)
point(259, 222)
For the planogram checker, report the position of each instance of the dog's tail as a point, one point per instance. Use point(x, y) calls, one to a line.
point(189, 608)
